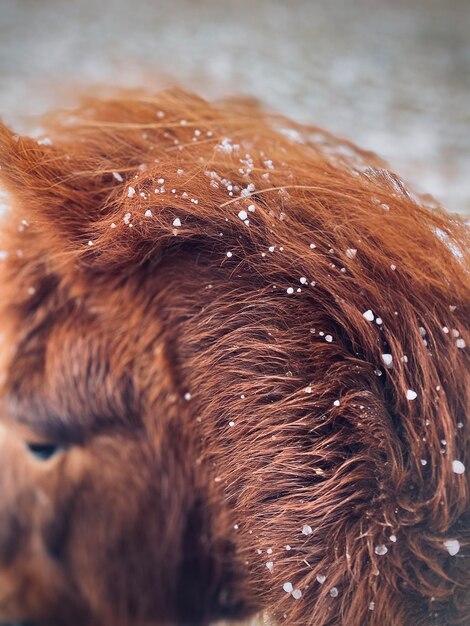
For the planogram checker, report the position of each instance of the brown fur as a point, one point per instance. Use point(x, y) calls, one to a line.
point(166, 509)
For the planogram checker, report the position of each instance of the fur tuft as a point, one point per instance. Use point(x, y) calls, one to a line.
point(285, 267)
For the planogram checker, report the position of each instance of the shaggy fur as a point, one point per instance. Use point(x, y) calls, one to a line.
point(195, 303)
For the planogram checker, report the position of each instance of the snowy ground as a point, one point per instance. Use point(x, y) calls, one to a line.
point(390, 74)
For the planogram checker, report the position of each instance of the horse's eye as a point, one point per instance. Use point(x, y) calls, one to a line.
point(44, 451)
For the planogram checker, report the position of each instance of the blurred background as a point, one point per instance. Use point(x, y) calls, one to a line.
point(392, 75)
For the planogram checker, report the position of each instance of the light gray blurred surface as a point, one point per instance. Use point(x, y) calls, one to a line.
point(392, 75)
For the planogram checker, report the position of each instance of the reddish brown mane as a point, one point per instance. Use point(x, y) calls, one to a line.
point(265, 247)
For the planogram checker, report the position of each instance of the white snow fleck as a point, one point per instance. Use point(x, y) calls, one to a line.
point(229, 254)
point(246, 192)
point(460, 343)
point(387, 359)
point(368, 315)
point(307, 530)
point(225, 145)
point(351, 253)
point(452, 546)
point(371, 606)
point(380, 550)
point(423, 462)
point(130, 192)
point(231, 424)
point(177, 222)
point(148, 213)
point(118, 177)
point(90, 243)
point(296, 594)
point(252, 208)
point(113, 225)
point(411, 395)
point(243, 215)
point(321, 578)
point(336, 402)
point(458, 467)
point(328, 338)
point(270, 565)
point(303, 280)
point(393, 538)
point(127, 218)
point(187, 396)
point(288, 588)
point(334, 592)
point(290, 290)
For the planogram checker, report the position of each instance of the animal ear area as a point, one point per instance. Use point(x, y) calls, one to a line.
point(77, 203)
point(53, 189)
point(144, 221)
